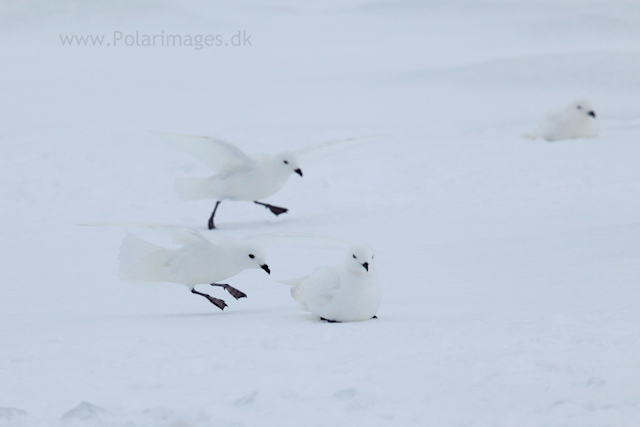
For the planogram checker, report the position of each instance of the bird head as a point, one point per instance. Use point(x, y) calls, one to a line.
point(583, 108)
point(287, 161)
point(253, 256)
point(360, 259)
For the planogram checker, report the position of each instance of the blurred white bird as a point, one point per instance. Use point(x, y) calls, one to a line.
point(199, 260)
point(342, 293)
point(577, 120)
point(239, 176)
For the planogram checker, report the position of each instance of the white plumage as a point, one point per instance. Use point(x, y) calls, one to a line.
point(342, 293)
point(199, 259)
point(577, 120)
point(240, 177)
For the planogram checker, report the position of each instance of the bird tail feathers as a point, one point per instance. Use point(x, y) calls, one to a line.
point(141, 261)
point(292, 282)
point(296, 292)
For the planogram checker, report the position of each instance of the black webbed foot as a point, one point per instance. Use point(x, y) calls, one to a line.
point(374, 317)
point(276, 210)
point(329, 321)
point(215, 301)
point(236, 293)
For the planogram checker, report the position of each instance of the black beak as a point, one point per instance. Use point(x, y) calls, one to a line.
point(366, 266)
point(298, 171)
point(265, 267)
point(592, 114)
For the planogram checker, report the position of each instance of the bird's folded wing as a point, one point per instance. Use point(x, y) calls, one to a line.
point(219, 155)
point(300, 240)
point(328, 147)
point(322, 285)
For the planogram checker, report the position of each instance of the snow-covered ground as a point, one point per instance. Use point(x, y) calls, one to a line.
point(510, 267)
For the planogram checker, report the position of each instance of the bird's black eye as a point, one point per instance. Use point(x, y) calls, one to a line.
point(354, 256)
point(251, 256)
point(286, 162)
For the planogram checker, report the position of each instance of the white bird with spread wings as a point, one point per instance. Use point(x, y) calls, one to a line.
point(239, 176)
point(199, 259)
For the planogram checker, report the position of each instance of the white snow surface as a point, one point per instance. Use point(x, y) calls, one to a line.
point(510, 268)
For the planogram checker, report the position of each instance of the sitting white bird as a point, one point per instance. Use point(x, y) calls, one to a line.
point(239, 176)
point(200, 259)
point(342, 293)
point(577, 120)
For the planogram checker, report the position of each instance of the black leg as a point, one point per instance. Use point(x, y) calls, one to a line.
point(211, 225)
point(215, 301)
point(237, 294)
point(329, 321)
point(274, 209)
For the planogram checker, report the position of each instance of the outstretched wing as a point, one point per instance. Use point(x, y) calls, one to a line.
point(328, 147)
point(179, 234)
point(219, 155)
point(301, 240)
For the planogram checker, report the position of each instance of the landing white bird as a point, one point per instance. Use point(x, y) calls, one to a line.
point(577, 120)
point(239, 176)
point(199, 260)
point(342, 293)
